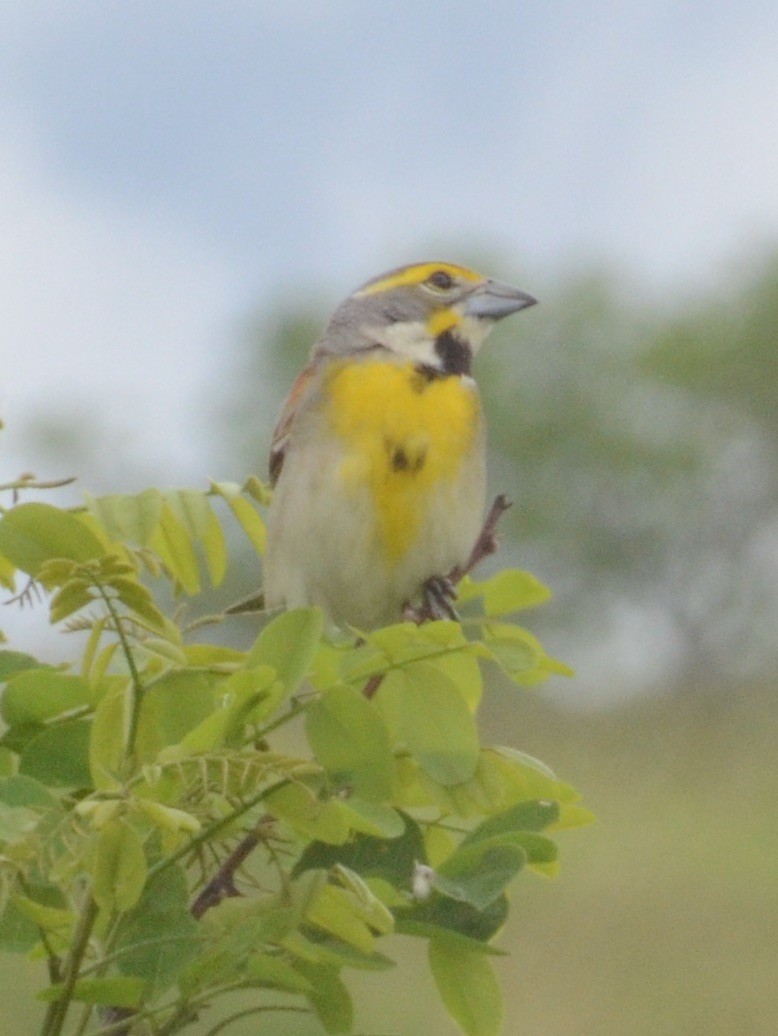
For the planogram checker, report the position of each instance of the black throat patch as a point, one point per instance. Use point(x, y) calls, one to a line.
point(455, 355)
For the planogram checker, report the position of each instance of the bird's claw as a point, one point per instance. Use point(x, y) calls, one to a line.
point(439, 596)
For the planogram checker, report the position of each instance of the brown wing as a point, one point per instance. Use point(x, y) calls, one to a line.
point(285, 427)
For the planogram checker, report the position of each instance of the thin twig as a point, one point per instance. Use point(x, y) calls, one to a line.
point(222, 884)
point(487, 542)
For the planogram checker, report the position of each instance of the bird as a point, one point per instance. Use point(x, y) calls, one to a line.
point(378, 459)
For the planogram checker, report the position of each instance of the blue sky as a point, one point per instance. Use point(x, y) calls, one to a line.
point(167, 166)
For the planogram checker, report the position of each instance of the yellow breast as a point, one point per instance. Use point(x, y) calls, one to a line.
point(405, 435)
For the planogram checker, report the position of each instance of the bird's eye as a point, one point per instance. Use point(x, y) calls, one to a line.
point(441, 279)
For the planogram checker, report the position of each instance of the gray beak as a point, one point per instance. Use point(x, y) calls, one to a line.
point(495, 300)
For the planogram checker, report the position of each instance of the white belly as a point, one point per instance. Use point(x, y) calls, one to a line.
point(324, 547)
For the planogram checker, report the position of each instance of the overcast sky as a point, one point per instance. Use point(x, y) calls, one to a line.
point(165, 167)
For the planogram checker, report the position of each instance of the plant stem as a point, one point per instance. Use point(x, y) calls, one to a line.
point(55, 1016)
point(137, 684)
point(213, 829)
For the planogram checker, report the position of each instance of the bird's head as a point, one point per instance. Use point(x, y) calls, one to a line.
point(435, 313)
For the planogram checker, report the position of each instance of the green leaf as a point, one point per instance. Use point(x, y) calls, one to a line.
point(463, 670)
point(336, 911)
point(571, 816)
point(535, 815)
point(107, 738)
point(289, 645)
point(52, 919)
point(59, 755)
point(12, 662)
point(168, 818)
point(510, 590)
point(18, 790)
point(425, 711)
point(19, 931)
point(72, 596)
point(215, 548)
point(370, 908)
point(307, 814)
point(172, 544)
point(16, 822)
point(273, 973)
point(326, 950)
point(34, 533)
point(406, 925)
point(392, 859)
point(532, 777)
point(120, 867)
point(329, 997)
point(36, 695)
point(7, 575)
point(468, 988)
point(124, 517)
point(159, 937)
point(519, 654)
point(444, 915)
point(173, 706)
point(190, 506)
point(115, 992)
point(478, 873)
point(138, 599)
point(371, 818)
point(240, 695)
point(249, 519)
point(350, 740)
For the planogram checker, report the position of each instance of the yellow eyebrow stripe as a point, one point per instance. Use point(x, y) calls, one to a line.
point(409, 275)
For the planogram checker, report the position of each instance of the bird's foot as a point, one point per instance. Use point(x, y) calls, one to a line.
point(438, 596)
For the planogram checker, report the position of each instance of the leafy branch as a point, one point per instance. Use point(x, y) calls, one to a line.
point(137, 787)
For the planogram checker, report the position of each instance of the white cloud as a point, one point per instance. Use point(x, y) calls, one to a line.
point(110, 315)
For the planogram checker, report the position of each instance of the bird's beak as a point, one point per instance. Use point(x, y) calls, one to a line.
point(494, 301)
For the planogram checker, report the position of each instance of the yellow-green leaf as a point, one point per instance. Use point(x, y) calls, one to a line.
point(247, 516)
point(126, 517)
point(50, 919)
point(172, 544)
point(338, 912)
point(302, 810)
point(120, 867)
point(215, 549)
point(190, 507)
point(289, 645)
point(510, 590)
point(138, 599)
point(107, 738)
point(264, 970)
point(72, 597)
point(468, 987)
point(167, 817)
point(7, 574)
point(33, 533)
point(426, 713)
point(350, 740)
point(37, 695)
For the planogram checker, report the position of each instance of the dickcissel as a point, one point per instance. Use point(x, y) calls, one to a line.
point(378, 458)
